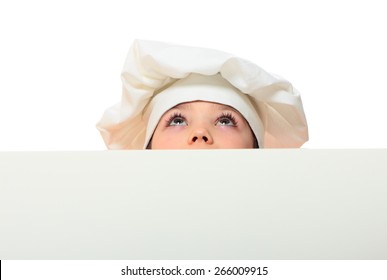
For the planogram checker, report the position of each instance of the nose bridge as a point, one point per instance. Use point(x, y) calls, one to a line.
point(200, 133)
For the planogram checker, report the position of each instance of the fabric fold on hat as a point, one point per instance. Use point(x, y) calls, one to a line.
point(152, 67)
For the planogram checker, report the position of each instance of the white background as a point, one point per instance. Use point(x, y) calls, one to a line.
point(60, 61)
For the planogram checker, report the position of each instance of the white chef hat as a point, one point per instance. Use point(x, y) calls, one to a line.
point(158, 76)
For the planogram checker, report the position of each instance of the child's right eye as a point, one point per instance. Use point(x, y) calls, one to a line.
point(177, 121)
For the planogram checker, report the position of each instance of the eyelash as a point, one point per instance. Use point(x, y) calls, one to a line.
point(227, 116)
point(172, 117)
point(222, 116)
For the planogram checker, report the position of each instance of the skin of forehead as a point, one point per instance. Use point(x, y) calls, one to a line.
point(186, 106)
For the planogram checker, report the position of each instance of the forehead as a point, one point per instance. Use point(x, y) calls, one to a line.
point(204, 104)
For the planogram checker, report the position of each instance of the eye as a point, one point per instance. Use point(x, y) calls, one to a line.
point(176, 120)
point(226, 120)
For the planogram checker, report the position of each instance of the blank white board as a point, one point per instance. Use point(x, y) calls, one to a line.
point(218, 204)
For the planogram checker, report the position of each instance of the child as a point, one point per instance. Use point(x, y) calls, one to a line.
point(177, 97)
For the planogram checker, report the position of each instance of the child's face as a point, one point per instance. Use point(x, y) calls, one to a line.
point(202, 125)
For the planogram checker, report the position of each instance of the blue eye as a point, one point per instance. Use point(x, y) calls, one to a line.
point(176, 120)
point(226, 120)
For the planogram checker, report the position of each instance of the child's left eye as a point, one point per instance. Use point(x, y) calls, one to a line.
point(226, 120)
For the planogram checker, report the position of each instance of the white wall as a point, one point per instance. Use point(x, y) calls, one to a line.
point(60, 61)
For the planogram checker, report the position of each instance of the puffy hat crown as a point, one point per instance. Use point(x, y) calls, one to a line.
point(153, 67)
